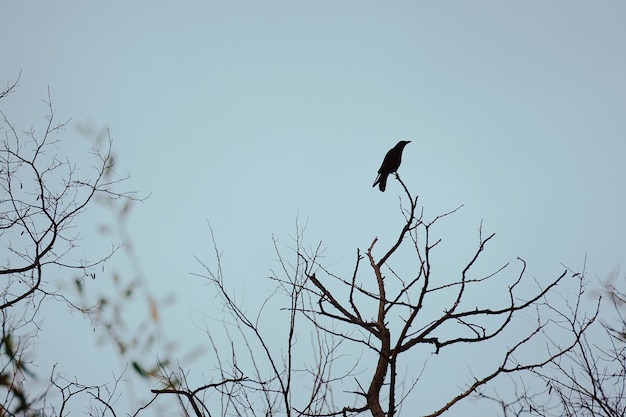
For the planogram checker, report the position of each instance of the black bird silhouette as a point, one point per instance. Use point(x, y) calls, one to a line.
point(390, 164)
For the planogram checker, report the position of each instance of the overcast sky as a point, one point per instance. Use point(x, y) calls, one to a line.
point(247, 115)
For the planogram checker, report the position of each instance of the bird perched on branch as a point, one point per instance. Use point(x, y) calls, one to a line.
point(390, 164)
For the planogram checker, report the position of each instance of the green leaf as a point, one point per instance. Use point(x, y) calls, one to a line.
point(139, 369)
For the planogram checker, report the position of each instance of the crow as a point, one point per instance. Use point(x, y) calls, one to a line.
point(390, 164)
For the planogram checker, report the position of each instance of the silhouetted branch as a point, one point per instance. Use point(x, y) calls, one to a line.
point(42, 194)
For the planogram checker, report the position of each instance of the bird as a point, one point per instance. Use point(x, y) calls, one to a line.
point(390, 164)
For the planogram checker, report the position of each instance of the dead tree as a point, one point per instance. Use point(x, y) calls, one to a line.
point(355, 329)
point(399, 321)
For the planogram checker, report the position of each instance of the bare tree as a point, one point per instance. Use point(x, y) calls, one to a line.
point(359, 329)
point(42, 194)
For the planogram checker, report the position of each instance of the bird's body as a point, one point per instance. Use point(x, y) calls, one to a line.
point(390, 164)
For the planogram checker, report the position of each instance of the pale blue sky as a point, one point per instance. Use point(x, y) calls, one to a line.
point(247, 114)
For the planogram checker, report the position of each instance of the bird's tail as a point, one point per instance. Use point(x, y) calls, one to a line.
point(381, 180)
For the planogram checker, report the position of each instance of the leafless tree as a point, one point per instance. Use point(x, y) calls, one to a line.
point(42, 194)
point(351, 340)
